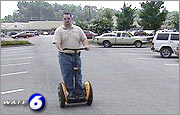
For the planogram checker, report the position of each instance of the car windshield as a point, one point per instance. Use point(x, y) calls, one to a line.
point(109, 35)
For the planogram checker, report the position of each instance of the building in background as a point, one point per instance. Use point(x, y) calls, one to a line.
point(39, 26)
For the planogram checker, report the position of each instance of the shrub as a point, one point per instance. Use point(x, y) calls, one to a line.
point(16, 42)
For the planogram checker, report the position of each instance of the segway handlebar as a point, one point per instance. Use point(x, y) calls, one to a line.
point(74, 49)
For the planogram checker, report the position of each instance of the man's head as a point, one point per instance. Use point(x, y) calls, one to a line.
point(67, 19)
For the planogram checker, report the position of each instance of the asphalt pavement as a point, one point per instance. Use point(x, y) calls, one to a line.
point(125, 80)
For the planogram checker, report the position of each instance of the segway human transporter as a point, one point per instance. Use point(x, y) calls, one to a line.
point(63, 92)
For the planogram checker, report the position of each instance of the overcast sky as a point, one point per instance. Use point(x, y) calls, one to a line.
point(7, 7)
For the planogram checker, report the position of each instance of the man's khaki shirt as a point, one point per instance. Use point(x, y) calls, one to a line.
point(69, 37)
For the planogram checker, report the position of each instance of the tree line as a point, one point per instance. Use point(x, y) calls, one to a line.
point(151, 15)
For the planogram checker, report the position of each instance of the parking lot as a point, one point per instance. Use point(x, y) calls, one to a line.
point(125, 79)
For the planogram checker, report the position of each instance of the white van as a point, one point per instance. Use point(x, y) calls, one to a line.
point(165, 43)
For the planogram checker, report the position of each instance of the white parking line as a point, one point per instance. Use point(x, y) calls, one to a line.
point(171, 64)
point(125, 53)
point(16, 58)
point(154, 59)
point(17, 48)
point(15, 64)
point(18, 54)
point(12, 50)
point(16, 73)
point(12, 91)
point(15, 52)
point(143, 58)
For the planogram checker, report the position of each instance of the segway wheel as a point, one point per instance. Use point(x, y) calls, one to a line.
point(61, 96)
point(88, 92)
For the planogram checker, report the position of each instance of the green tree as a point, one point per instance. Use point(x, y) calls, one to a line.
point(8, 19)
point(175, 21)
point(98, 26)
point(104, 23)
point(107, 19)
point(125, 19)
point(35, 10)
point(152, 15)
point(81, 24)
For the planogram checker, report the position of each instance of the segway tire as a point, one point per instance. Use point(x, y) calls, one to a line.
point(61, 96)
point(90, 98)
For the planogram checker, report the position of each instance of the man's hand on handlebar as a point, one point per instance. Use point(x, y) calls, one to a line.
point(86, 48)
point(61, 50)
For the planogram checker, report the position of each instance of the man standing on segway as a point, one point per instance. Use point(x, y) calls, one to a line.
point(70, 36)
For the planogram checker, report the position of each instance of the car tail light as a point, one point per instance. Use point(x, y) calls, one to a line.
point(178, 47)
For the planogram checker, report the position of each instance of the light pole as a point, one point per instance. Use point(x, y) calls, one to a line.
point(89, 16)
point(89, 12)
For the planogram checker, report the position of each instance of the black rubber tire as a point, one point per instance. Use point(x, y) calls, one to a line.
point(166, 52)
point(106, 44)
point(138, 44)
point(61, 96)
point(90, 99)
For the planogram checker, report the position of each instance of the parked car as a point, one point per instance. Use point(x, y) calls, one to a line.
point(150, 32)
point(12, 33)
point(2, 34)
point(23, 35)
point(177, 50)
point(140, 33)
point(45, 33)
point(33, 32)
point(121, 38)
point(165, 30)
point(90, 34)
point(165, 43)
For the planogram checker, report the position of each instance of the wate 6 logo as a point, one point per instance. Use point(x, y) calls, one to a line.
point(36, 102)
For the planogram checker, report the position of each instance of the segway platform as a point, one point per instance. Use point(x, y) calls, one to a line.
point(63, 95)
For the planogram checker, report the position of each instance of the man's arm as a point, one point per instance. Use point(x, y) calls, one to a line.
point(86, 44)
point(84, 40)
point(58, 45)
point(57, 39)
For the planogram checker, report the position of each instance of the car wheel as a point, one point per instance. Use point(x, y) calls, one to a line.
point(106, 44)
point(138, 44)
point(166, 52)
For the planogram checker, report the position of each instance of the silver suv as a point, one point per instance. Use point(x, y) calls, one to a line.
point(165, 43)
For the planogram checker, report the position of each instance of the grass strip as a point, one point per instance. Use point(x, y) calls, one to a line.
point(15, 42)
